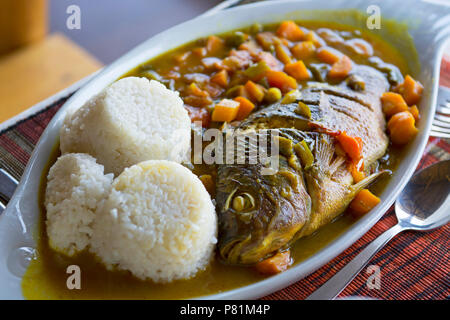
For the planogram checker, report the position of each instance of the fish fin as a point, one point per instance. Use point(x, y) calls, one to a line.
point(336, 163)
point(366, 181)
point(323, 154)
point(324, 149)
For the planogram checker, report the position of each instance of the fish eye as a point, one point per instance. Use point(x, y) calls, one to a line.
point(243, 202)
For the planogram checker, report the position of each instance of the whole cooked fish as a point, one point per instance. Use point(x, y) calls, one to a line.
point(260, 215)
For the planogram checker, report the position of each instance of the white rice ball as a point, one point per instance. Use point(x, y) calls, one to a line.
point(158, 222)
point(131, 121)
point(76, 185)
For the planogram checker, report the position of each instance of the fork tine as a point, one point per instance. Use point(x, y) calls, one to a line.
point(439, 134)
point(442, 118)
point(7, 184)
point(442, 124)
point(440, 129)
point(444, 110)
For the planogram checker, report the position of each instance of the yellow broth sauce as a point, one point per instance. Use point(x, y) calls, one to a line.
point(46, 276)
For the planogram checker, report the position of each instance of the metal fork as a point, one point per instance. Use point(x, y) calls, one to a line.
point(7, 187)
point(441, 122)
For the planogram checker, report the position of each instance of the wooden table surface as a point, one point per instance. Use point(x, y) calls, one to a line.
point(109, 28)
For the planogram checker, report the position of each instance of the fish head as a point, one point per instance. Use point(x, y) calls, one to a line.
point(259, 214)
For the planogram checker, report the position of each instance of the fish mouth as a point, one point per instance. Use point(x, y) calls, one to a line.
point(246, 250)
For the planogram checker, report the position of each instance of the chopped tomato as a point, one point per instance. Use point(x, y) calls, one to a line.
point(351, 145)
point(276, 264)
point(198, 114)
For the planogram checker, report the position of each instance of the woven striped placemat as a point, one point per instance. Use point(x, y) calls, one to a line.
point(413, 265)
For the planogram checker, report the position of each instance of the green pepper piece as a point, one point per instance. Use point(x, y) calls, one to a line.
point(256, 27)
point(356, 83)
point(236, 39)
point(257, 71)
point(304, 153)
point(272, 95)
point(303, 110)
point(291, 97)
point(235, 91)
point(285, 146)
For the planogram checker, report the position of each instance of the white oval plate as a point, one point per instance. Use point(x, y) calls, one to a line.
point(428, 23)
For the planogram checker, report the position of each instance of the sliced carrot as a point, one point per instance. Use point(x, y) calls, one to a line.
point(411, 90)
point(225, 110)
point(276, 264)
point(255, 91)
point(328, 55)
point(351, 145)
point(214, 45)
point(415, 112)
point(297, 70)
point(221, 78)
point(304, 50)
point(281, 80)
point(290, 30)
point(402, 127)
point(363, 202)
point(283, 54)
point(245, 107)
point(393, 103)
point(341, 68)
